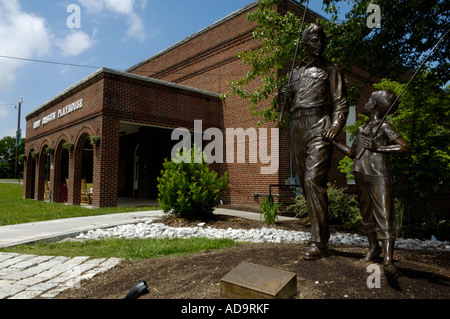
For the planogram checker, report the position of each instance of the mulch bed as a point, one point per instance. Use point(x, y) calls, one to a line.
point(341, 275)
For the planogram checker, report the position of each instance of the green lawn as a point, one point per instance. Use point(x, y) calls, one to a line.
point(15, 210)
point(135, 249)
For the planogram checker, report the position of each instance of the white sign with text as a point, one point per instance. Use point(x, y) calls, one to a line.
point(60, 113)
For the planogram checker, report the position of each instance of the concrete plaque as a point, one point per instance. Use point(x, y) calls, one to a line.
point(250, 281)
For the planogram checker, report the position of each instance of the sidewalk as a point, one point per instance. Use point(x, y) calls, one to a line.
point(25, 276)
point(12, 235)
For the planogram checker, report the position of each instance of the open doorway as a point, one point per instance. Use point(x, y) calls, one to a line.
point(31, 175)
point(61, 174)
point(142, 153)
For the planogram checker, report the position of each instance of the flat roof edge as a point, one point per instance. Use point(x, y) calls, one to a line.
point(70, 88)
point(124, 74)
point(226, 18)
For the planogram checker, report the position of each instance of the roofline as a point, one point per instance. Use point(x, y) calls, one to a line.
point(228, 17)
point(124, 74)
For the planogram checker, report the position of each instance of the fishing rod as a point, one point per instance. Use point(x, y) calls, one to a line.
point(295, 56)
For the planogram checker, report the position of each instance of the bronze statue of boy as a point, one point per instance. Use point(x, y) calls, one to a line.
point(373, 174)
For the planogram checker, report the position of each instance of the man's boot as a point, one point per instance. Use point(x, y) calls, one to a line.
point(374, 248)
point(388, 247)
point(315, 251)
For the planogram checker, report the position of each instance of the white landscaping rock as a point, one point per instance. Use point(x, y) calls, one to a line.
point(149, 229)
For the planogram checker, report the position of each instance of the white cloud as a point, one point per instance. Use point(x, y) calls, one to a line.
point(124, 8)
point(75, 43)
point(118, 6)
point(136, 28)
point(21, 35)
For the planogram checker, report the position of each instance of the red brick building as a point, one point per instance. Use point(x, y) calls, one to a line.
point(113, 129)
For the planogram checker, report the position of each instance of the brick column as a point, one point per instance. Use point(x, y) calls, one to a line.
point(40, 176)
point(51, 182)
point(74, 185)
point(28, 177)
point(106, 165)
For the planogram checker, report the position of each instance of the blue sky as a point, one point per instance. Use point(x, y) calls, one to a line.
point(113, 33)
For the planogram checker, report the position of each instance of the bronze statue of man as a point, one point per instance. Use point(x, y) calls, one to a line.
point(317, 103)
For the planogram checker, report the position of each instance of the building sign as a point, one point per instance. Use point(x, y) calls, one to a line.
point(61, 113)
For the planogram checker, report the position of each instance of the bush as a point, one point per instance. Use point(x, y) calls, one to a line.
point(188, 188)
point(342, 208)
point(440, 229)
point(269, 210)
point(5, 170)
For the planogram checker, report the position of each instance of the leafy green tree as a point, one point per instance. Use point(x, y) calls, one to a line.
point(8, 157)
point(409, 30)
point(422, 118)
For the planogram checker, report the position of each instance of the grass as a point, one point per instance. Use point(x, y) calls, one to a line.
point(135, 249)
point(15, 210)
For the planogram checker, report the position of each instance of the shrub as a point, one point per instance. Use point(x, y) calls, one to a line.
point(342, 208)
point(188, 188)
point(269, 210)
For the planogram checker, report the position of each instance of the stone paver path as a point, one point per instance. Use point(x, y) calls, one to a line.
point(31, 276)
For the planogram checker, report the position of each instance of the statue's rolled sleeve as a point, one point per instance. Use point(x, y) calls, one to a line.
point(339, 98)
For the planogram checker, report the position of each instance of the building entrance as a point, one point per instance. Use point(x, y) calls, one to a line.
point(142, 153)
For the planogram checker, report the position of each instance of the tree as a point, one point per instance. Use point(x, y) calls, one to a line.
point(422, 118)
point(409, 30)
point(8, 157)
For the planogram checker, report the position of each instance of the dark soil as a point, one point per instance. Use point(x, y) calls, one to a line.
point(421, 274)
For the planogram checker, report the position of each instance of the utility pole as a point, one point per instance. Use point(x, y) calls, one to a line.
point(18, 140)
